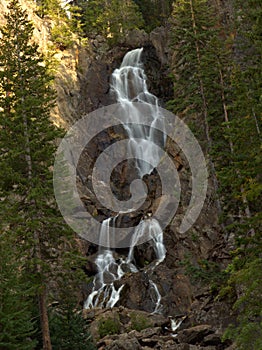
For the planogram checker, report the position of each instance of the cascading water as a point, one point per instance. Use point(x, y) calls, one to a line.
point(104, 292)
point(129, 85)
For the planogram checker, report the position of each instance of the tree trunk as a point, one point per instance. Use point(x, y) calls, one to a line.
point(256, 122)
point(44, 320)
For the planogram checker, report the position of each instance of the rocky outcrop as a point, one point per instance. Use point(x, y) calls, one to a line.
point(179, 276)
point(129, 329)
point(193, 257)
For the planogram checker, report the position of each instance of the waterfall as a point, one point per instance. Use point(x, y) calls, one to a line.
point(129, 85)
point(104, 293)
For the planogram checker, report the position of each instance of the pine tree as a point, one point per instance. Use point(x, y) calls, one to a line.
point(27, 142)
point(155, 12)
point(16, 317)
point(70, 330)
point(121, 17)
point(244, 131)
point(226, 87)
point(110, 18)
point(197, 74)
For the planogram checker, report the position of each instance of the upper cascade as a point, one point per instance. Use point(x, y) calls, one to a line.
point(129, 85)
point(129, 81)
point(132, 58)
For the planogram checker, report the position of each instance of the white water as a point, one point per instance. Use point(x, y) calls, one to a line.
point(104, 293)
point(129, 84)
point(155, 233)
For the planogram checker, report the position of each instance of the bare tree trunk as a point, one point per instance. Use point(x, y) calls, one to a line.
point(44, 320)
point(256, 122)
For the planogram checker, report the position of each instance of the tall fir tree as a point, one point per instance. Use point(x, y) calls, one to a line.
point(17, 328)
point(197, 72)
point(28, 209)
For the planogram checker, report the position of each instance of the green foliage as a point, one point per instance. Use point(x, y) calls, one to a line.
point(206, 272)
point(69, 330)
point(155, 12)
point(196, 64)
point(49, 8)
point(61, 36)
point(66, 27)
point(208, 79)
point(47, 252)
point(110, 325)
point(112, 19)
point(17, 327)
point(248, 331)
point(139, 322)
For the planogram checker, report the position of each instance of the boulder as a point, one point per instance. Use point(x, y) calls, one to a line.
point(194, 335)
point(136, 38)
point(123, 343)
point(212, 339)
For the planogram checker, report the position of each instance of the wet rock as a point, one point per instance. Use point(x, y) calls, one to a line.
point(158, 80)
point(130, 333)
point(90, 266)
point(149, 332)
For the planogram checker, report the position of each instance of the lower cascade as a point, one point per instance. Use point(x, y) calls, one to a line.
point(129, 85)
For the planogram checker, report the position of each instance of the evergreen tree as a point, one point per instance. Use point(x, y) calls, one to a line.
point(90, 13)
point(70, 330)
point(244, 131)
point(225, 86)
point(110, 18)
point(65, 27)
point(197, 73)
point(155, 12)
point(16, 319)
point(49, 7)
point(27, 142)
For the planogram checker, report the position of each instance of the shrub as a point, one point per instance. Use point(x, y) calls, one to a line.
point(108, 326)
point(139, 322)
